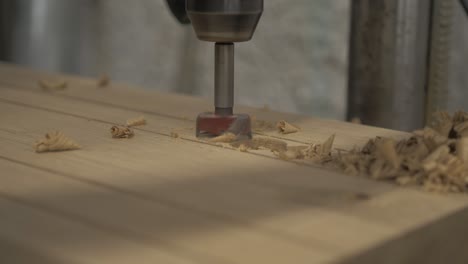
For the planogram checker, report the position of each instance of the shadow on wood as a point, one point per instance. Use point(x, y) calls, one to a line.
point(444, 241)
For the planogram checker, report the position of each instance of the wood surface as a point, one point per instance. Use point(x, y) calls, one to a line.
point(158, 199)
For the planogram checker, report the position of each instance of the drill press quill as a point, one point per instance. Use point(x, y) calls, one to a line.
point(223, 22)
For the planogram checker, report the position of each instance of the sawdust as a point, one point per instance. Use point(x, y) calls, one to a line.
point(316, 152)
point(224, 138)
point(287, 128)
point(262, 125)
point(55, 141)
point(103, 81)
point(121, 132)
point(139, 121)
point(257, 143)
point(320, 153)
point(52, 86)
point(434, 158)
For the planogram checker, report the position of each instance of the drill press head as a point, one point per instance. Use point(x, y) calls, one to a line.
point(224, 20)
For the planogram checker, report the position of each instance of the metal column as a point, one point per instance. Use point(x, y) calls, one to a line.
point(388, 62)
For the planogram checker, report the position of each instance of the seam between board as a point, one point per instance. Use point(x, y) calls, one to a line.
point(101, 103)
point(41, 108)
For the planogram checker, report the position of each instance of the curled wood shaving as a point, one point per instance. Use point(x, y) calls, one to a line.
point(55, 141)
point(121, 132)
point(434, 158)
point(52, 86)
point(321, 152)
point(103, 81)
point(461, 129)
point(386, 151)
point(224, 138)
point(286, 128)
point(139, 121)
point(459, 117)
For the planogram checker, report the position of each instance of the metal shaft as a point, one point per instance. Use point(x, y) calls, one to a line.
point(224, 78)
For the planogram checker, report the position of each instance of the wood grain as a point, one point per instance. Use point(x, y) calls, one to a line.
point(166, 200)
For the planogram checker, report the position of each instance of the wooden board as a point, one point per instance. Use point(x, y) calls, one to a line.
point(156, 199)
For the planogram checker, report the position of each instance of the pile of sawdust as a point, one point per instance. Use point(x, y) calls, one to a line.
point(434, 157)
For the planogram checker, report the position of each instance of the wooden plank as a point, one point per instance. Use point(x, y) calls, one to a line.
point(186, 108)
point(239, 207)
point(35, 236)
point(310, 201)
point(222, 239)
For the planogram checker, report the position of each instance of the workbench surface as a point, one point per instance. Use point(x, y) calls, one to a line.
point(158, 199)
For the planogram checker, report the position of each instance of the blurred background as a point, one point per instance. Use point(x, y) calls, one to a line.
point(296, 62)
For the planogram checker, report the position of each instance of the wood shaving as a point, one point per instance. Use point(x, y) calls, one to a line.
point(139, 121)
point(224, 138)
point(174, 134)
point(286, 128)
point(243, 148)
point(55, 141)
point(434, 158)
point(462, 149)
point(256, 143)
point(292, 153)
point(103, 81)
point(121, 132)
point(315, 152)
point(52, 86)
point(321, 152)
